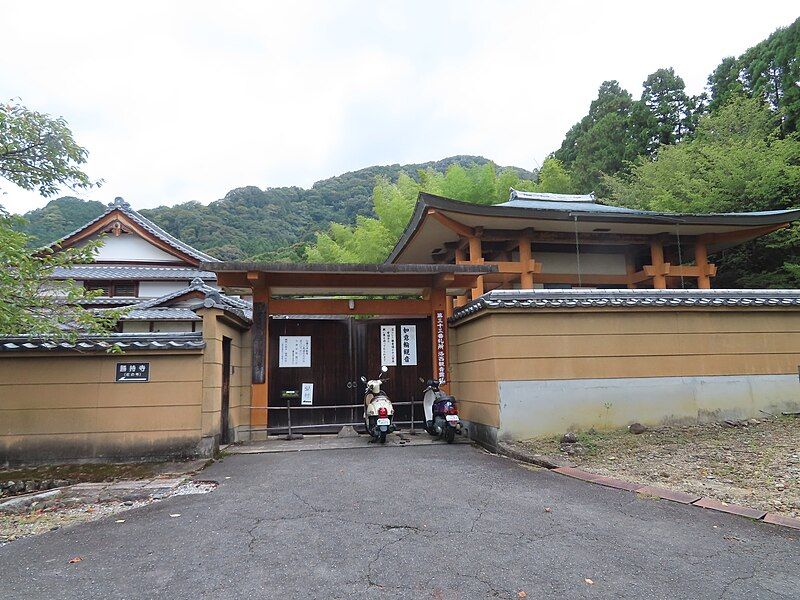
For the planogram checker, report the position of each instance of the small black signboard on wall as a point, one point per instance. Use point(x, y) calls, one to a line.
point(133, 372)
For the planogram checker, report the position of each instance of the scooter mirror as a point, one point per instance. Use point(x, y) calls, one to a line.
point(421, 380)
point(384, 369)
point(363, 379)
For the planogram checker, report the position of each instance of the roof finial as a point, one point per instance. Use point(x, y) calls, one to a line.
point(119, 202)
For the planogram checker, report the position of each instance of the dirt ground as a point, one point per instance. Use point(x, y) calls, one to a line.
point(80, 473)
point(755, 463)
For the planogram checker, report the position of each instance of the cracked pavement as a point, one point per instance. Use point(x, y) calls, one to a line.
point(413, 522)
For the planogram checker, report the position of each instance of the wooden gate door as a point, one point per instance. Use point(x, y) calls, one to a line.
point(410, 360)
point(331, 354)
point(327, 367)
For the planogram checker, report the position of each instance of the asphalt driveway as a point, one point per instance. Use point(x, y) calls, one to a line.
point(405, 522)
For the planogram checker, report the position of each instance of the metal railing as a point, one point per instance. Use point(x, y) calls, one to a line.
point(290, 409)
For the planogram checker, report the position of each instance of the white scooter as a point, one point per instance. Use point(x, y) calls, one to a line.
point(378, 409)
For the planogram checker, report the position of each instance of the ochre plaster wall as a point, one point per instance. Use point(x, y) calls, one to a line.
point(538, 372)
point(61, 407)
point(214, 329)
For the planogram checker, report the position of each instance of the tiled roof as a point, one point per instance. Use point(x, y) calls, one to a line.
point(148, 225)
point(113, 272)
point(161, 314)
point(113, 301)
point(88, 343)
point(213, 299)
point(583, 298)
point(574, 203)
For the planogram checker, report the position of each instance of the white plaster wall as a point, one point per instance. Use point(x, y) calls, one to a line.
point(131, 247)
point(154, 289)
point(540, 408)
point(184, 326)
point(594, 264)
point(159, 326)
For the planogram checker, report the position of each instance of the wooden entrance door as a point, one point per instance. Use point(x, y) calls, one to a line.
point(224, 436)
point(341, 351)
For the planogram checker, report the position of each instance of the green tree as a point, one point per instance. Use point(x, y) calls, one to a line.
point(770, 71)
point(38, 152)
point(372, 239)
point(737, 162)
point(671, 113)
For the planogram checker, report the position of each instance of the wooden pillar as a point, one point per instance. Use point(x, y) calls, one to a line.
point(460, 260)
point(441, 364)
point(525, 257)
point(657, 261)
point(630, 269)
point(260, 367)
point(476, 258)
point(701, 260)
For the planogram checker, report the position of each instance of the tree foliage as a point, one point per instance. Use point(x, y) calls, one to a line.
point(38, 152)
point(770, 71)
point(737, 162)
point(372, 239)
point(33, 303)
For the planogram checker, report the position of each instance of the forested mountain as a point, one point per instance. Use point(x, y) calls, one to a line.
point(272, 223)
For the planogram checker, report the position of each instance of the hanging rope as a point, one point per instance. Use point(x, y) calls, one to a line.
point(577, 251)
point(680, 255)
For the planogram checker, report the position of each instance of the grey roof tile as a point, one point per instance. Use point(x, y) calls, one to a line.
point(213, 299)
point(585, 298)
point(101, 343)
point(113, 272)
point(161, 314)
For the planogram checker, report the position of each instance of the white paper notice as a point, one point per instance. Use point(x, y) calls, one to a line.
point(408, 344)
point(307, 397)
point(295, 351)
point(388, 345)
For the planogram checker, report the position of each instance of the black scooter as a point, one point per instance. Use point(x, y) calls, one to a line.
point(441, 414)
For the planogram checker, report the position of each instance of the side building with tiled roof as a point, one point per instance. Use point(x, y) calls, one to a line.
point(172, 380)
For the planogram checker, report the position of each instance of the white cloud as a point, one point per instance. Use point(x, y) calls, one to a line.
point(182, 101)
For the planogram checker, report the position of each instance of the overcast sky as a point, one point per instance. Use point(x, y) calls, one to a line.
point(180, 101)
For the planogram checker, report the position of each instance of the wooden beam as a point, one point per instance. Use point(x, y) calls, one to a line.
point(342, 307)
point(452, 224)
point(742, 234)
point(559, 237)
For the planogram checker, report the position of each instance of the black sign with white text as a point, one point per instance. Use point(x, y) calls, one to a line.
point(139, 372)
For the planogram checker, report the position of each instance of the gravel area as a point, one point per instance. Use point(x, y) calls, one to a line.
point(13, 527)
point(754, 463)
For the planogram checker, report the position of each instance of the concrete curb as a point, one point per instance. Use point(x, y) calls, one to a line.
point(648, 490)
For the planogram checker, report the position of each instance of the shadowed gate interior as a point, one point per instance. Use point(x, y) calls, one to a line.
point(342, 349)
point(317, 328)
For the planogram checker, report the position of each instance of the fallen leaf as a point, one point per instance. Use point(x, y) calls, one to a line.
point(589, 581)
point(75, 559)
point(175, 515)
point(120, 520)
point(522, 594)
point(548, 509)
